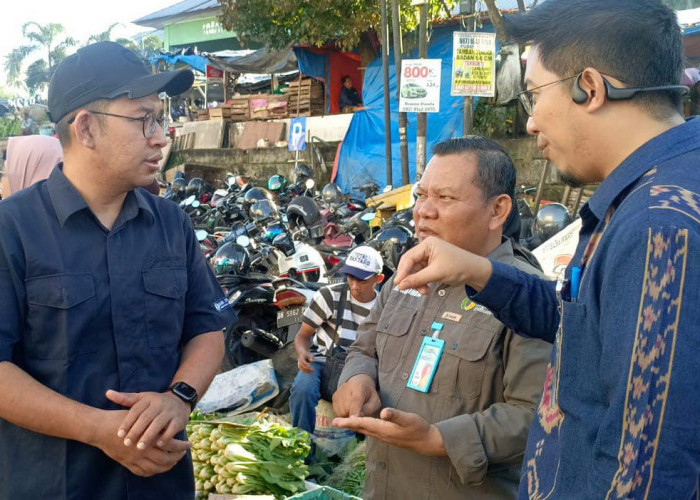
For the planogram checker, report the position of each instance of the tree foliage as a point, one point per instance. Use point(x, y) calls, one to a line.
point(51, 44)
point(313, 22)
point(104, 36)
point(52, 41)
point(148, 46)
point(37, 76)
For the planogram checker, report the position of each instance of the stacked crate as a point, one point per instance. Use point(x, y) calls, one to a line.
point(268, 106)
point(305, 98)
point(240, 109)
point(222, 112)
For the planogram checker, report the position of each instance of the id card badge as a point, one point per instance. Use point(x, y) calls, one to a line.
point(426, 364)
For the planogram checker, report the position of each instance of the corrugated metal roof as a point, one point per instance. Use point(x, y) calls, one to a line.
point(179, 9)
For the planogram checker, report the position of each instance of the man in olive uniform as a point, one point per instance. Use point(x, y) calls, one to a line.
point(454, 424)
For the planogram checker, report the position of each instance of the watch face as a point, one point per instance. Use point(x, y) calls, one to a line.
point(185, 390)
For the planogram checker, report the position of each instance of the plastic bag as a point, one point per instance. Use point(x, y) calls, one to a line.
point(332, 440)
point(240, 390)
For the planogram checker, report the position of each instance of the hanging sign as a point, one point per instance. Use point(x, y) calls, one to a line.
point(473, 64)
point(420, 86)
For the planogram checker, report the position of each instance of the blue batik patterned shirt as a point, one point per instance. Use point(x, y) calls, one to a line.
point(619, 416)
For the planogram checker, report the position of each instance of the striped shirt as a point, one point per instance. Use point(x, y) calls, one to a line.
point(322, 313)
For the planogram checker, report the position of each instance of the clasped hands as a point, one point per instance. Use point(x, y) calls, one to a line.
point(142, 438)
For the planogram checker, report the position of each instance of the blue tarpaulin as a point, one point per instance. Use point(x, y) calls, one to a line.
point(362, 156)
point(196, 62)
point(312, 64)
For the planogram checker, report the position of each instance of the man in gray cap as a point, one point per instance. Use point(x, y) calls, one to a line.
point(111, 320)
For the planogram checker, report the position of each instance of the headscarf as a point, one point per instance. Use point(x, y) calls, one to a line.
point(30, 159)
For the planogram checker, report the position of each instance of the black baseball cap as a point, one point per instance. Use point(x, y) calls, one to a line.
point(106, 70)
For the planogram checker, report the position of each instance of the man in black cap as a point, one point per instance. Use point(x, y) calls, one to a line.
point(110, 325)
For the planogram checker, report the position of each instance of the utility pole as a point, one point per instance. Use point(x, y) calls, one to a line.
point(387, 102)
point(468, 110)
point(421, 133)
point(398, 49)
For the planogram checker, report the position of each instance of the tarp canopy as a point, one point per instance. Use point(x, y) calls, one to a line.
point(259, 61)
point(362, 156)
point(196, 62)
point(262, 61)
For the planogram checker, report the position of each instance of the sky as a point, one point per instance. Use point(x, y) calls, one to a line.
point(81, 18)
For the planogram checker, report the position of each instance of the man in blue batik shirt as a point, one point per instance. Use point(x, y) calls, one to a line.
point(618, 415)
point(110, 319)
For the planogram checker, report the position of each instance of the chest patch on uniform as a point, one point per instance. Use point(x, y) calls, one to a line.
point(410, 291)
point(452, 316)
point(468, 304)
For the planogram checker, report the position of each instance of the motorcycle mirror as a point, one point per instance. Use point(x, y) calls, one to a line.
point(201, 235)
point(195, 204)
point(189, 200)
point(310, 184)
point(368, 217)
point(414, 196)
point(388, 188)
point(243, 240)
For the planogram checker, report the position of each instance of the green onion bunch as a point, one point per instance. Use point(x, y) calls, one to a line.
point(259, 458)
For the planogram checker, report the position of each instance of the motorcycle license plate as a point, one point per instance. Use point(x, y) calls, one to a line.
point(290, 316)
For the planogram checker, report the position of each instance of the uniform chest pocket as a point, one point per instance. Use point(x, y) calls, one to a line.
point(464, 360)
point(392, 327)
point(165, 304)
point(61, 310)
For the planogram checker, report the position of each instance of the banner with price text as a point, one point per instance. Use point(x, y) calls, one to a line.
point(473, 64)
point(420, 86)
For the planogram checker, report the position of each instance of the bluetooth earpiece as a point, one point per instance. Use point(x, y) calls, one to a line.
point(578, 95)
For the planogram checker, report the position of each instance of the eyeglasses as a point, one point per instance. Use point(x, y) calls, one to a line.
point(148, 121)
point(527, 99)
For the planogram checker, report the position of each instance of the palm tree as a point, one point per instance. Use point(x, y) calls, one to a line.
point(146, 47)
point(48, 37)
point(105, 36)
point(14, 61)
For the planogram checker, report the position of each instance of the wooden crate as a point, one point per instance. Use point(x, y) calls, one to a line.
point(240, 109)
point(266, 106)
point(184, 141)
point(306, 98)
point(220, 112)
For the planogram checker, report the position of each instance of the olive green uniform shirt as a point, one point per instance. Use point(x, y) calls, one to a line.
point(482, 397)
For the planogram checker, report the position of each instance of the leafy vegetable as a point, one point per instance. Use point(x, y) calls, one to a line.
point(255, 457)
point(349, 476)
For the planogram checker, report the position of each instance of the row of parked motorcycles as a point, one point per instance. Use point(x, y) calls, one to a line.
point(271, 248)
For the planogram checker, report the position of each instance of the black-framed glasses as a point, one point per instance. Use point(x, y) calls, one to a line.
point(527, 99)
point(148, 121)
point(612, 93)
